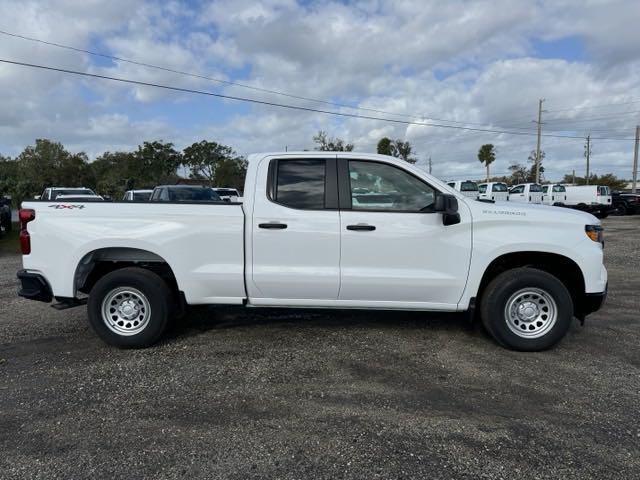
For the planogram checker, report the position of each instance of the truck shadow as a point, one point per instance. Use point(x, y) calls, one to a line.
point(202, 319)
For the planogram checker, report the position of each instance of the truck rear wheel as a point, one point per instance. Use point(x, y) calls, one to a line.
point(526, 309)
point(130, 307)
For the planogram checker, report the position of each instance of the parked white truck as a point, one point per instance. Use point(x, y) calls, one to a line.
point(594, 199)
point(300, 239)
point(526, 193)
point(554, 194)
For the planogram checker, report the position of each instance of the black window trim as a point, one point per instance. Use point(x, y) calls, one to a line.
point(344, 187)
point(330, 182)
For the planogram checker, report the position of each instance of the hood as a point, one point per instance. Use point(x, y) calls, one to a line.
point(509, 211)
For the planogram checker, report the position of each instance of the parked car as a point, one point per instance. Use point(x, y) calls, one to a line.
point(595, 199)
point(554, 194)
point(496, 191)
point(299, 240)
point(228, 194)
point(625, 203)
point(526, 193)
point(184, 193)
point(137, 195)
point(52, 193)
point(467, 187)
point(5, 215)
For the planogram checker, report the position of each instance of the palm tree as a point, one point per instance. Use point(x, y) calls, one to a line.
point(487, 155)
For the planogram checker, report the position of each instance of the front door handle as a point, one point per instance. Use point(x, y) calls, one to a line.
point(273, 226)
point(361, 227)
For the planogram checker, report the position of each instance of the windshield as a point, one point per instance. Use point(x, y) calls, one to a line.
point(196, 193)
point(535, 188)
point(141, 196)
point(469, 187)
point(499, 187)
point(72, 191)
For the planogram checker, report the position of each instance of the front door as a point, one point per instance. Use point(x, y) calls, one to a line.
point(296, 231)
point(395, 250)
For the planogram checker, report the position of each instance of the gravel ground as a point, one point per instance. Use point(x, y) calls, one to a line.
point(243, 394)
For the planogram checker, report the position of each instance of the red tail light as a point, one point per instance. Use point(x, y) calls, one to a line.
point(25, 216)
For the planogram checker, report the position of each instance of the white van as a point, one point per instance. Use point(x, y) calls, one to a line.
point(526, 193)
point(467, 187)
point(591, 198)
point(554, 194)
point(497, 191)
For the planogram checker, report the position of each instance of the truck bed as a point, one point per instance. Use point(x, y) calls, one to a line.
point(202, 242)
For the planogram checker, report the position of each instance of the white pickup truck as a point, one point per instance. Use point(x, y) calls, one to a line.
point(318, 229)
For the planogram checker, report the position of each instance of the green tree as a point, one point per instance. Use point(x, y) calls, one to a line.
point(156, 162)
point(608, 179)
point(487, 155)
point(330, 144)
point(532, 160)
point(205, 158)
point(396, 148)
point(231, 173)
point(385, 146)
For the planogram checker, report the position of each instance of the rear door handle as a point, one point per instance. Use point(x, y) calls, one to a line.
point(361, 227)
point(273, 226)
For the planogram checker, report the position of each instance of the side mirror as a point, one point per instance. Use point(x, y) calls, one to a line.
point(448, 205)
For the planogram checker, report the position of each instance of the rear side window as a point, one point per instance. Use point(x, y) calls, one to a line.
point(300, 183)
point(535, 188)
point(469, 187)
point(499, 187)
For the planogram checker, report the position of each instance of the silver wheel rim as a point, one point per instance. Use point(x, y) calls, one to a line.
point(531, 313)
point(126, 311)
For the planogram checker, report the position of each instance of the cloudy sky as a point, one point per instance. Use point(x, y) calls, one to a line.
point(475, 64)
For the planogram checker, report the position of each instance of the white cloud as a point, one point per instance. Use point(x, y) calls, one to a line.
point(464, 61)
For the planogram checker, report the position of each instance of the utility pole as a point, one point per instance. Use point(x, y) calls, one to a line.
point(430, 156)
point(539, 122)
point(574, 176)
point(635, 161)
point(587, 154)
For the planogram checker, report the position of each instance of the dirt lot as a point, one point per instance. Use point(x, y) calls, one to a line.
point(284, 394)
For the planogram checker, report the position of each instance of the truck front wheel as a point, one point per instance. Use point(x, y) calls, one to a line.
point(526, 309)
point(129, 307)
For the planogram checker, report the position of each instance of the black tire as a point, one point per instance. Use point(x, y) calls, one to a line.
point(154, 292)
point(504, 287)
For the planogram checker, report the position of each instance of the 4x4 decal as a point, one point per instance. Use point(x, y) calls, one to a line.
point(58, 206)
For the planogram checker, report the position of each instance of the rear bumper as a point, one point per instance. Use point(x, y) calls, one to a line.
point(34, 286)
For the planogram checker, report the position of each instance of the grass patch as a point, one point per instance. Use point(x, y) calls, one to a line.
point(9, 242)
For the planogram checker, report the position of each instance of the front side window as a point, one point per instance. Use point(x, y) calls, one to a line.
point(603, 190)
point(545, 189)
point(378, 186)
point(499, 187)
point(559, 189)
point(301, 183)
point(482, 188)
point(518, 189)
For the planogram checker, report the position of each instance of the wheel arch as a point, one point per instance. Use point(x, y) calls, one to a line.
point(558, 265)
point(97, 263)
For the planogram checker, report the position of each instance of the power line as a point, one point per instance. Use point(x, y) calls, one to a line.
point(259, 89)
point(275, 104)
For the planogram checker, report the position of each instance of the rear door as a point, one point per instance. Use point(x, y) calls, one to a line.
point(395, 250)
point(296, 231)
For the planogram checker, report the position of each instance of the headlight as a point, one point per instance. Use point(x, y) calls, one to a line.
point(595, 233)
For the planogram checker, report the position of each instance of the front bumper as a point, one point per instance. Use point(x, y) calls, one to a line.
point(34, 286)
point(591, 302)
